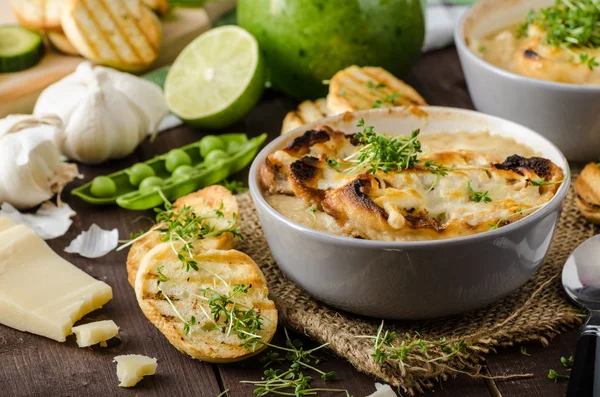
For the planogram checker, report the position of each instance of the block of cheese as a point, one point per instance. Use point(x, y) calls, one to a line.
point(93, 333)
point(40, 292)
point(5, 223)
point(131, 368)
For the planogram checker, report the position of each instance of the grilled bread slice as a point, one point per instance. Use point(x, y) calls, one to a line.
point(38, 14)
point(161, 7)
point(62, 43)
point(587, 188)
point(178, 303)
point(124, 34)
point(356, 88)
point(204, 203)
point(307, 112)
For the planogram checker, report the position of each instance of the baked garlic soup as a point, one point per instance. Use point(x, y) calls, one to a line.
point(560, 43)
point(406, 188)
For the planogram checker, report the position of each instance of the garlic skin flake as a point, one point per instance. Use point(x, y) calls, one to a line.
point(94, 243)
point(48, 222)
point(106, 113)
point(31, 170)
point(383, 391)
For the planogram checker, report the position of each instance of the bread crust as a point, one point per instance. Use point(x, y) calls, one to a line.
point(203, 341)
point(356, 88)
point(208, 199)
point(587, 188)
point(127, 39)
point(41, 15)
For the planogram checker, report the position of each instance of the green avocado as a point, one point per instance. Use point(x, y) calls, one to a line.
point(307, 41)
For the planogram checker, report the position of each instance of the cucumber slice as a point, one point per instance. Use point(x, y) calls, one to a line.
point(19, 48)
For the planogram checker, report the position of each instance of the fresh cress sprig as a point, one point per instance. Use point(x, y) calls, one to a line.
point(293, 380)
point(382, 152)
point(543, 182)
point(386, 346)
point(478, 197)
point(569, 24)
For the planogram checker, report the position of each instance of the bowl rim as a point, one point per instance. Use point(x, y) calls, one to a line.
point(259, 200)
point(459, 40)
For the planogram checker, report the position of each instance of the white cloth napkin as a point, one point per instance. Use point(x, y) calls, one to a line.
point(441, 18)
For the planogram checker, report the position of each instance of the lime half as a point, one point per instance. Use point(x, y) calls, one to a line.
point(217, 79)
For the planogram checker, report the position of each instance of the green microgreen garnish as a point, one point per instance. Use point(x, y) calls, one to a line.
point(235, 187)
point(342, 92)
point(524, 351)
point(132, 236)
point(478, 196)
point(244, 322)
point(312, 209)
point(182, 225)
point(333, 163)
point(585, 59)
point(161, 277)
point(555, 376)
point(382, 152)
point(387, 348)
point(542, 182)
point(224, 393)
point(390, 99)
point(377, 86)
point(439, 170)
point(567, 362)
point(482, 48)
point(291, 379)
point(568, 24)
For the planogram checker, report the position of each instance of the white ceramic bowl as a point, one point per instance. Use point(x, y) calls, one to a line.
point(567, 114)
point(412, 280)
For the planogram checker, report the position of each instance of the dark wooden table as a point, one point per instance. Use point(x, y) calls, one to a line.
point(31, 365)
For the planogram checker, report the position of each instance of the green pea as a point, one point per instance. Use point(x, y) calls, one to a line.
point(139, 172)
point(176, 158)
point(235, 144)
point(210, 143)
point(103, 186)
point(151, 184)
point(182, 171)
point(216, 156)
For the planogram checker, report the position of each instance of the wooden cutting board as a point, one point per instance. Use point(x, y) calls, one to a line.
point(19, 91)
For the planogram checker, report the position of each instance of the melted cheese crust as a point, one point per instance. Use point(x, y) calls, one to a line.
point(530, 57)
point(413, 204)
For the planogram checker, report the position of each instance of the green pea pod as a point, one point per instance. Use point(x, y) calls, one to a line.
point(240, 149)
point(203, 175)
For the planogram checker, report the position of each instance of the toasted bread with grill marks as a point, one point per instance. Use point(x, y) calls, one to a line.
point(356, 88)
point(219, 271)
point(204, 202)
point(161, 7)
point(38, 14)
point(124, 34)
point(587, 188)
point(307, 112)
point(61, 42)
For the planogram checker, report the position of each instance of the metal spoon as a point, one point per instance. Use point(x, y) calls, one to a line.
point(581, 281)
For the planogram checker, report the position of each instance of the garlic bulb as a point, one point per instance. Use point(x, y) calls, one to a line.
point(106, 113)
point(31, 171)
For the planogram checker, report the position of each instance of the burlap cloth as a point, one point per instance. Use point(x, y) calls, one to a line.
point(536, 312)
